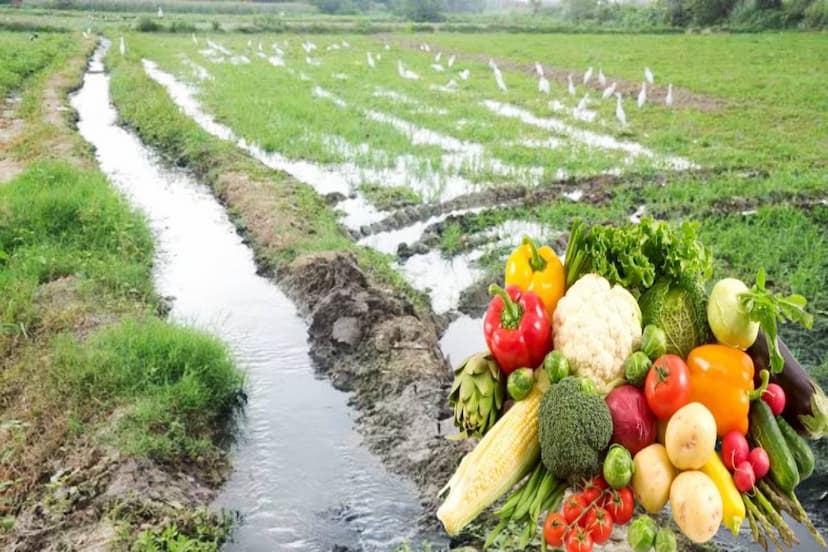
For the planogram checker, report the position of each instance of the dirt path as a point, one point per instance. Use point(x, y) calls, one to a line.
point(11, 128)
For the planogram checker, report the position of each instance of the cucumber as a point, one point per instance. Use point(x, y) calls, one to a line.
point(802, 453)
point(766, 433)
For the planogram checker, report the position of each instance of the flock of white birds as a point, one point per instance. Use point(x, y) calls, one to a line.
point(544, 87)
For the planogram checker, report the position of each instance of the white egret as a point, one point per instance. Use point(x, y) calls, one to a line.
point(619, 111)
point(346, 44)
point(387, 46)
point(437, 57)
point(543, 85)
point(465, 74)
point(195, 40)
point(406, 73)
point(450, 62)
point(571, 86)
point(260, 46)
point(648, 75)
point(602, 79)
point(669, 99)
point(538, 69)
point(123, 46)
point(160, 12)
point(642, 95)
point(85, 35)
point(499, 78)
point(452, 84)
point(582, 105)
point(609, 91)
point(370, 60)
point(311, 61)
point(249, 43)
point(437, 67)
point(588, 74)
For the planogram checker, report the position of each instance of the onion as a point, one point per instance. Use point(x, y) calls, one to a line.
point(633, 423)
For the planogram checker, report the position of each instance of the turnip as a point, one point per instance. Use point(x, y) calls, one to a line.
point(734, 449)
point(728, 317)
point(759, 461)
point(744, 477)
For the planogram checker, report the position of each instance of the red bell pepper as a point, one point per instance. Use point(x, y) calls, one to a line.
point(517, 328)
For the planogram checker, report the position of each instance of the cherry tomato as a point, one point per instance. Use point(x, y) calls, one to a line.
point(667, 386)
point(620, 505)
point(599, 524)
point(593, 489)
point(573, 506)
point(553, 529)
point(578, 540)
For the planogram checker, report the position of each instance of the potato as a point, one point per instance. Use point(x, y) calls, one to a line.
point(696, 505)
point(652, 476)
point(690, 437)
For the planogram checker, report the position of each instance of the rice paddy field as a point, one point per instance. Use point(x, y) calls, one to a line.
point(421, 141)
point(425, 156)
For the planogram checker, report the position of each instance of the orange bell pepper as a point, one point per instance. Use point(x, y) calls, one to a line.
point(721, 378)
point(538, 270)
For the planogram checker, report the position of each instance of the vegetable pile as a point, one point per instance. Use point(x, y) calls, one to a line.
point(614, 381)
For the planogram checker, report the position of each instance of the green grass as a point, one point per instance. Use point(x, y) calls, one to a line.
point(21, 57)
point(177, 385)
point(389, 197)
point(58, 221)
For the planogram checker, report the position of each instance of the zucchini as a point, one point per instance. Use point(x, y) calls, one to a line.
point(766, 433)
point(802, 453)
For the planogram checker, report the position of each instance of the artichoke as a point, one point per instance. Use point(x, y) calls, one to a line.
point(477, 395)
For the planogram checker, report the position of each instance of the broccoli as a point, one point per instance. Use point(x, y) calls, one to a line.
point(574, 428)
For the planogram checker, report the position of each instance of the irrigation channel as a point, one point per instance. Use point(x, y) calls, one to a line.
point(302, 480)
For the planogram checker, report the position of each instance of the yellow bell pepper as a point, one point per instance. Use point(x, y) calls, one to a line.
point(538, 270)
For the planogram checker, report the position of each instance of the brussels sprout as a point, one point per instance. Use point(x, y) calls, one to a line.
point(618, 467)
point(520, 382)
point(665, 541)
point(588, 386)
point(653, 341)
point(556, 366)
point(642, 533)
point(636, 368)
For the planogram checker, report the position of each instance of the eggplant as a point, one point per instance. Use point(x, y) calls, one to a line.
point(806, 406)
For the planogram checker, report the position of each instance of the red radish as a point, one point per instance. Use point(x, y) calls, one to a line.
point(775, 397)
point(759, 461)
point(743, 477)
point(734, 449)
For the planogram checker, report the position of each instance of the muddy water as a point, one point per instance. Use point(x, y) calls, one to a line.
point(302, 480)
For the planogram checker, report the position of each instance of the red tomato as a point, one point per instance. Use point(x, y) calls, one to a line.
point(620, 505)
point(599, 525)
point(593, 489)
point(573, 506)
point(553, 529)
point(578, 540)
point(667, 386)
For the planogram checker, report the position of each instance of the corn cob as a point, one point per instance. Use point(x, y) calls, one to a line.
point(502, 458)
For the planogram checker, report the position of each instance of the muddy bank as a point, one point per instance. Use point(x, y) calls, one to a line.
point(370, 342)
point(596, 190)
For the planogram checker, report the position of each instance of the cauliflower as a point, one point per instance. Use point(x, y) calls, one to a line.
point(597, 327)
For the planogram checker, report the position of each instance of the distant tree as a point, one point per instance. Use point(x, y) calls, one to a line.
point(422, 10)
point(708, 12)
point(578, 10)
